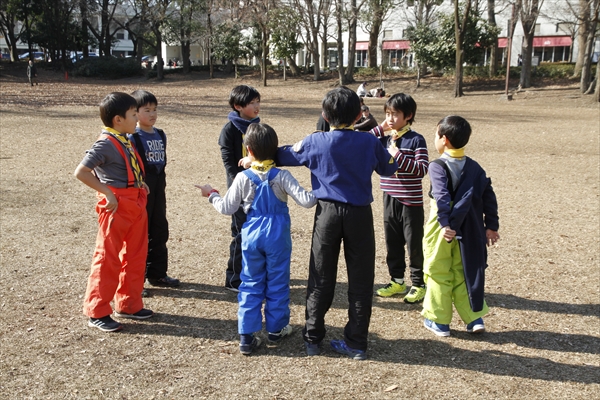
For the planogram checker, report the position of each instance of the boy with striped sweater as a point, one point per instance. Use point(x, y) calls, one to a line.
point(403, 216)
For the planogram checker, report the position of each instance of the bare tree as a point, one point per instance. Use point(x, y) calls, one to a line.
point(8, 25)
point(460, 28)
point(310, 13)
point(354, 7)
point(586, 70)
point(530, 10)
point(491, 12)
point(377, 11)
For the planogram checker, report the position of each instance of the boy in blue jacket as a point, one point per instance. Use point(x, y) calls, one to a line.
point(341, 162)
point(463, 220)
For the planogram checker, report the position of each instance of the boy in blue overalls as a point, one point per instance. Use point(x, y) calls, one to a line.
point(262, 192)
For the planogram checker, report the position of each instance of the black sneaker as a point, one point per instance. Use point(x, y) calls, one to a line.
point(232, 288)
point(164, 281)
point(275, 337)
point(105, 324)
point(144, 313)
point(249, 343)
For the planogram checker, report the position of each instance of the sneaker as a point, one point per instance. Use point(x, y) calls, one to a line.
point(312, 349)
point(416, 295)
point(145, 293)
point(105, 324)
point(144, 313)
point(340, 346)
point(249, 343)
point(391, 289)
point(276, 337)
point(438, 329)
point(164, 281)
point(476, 326)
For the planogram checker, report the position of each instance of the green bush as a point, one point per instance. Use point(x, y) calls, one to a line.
point(106, 67)
point(553, 70)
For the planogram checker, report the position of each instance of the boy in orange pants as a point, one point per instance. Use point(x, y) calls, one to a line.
point(113, 168)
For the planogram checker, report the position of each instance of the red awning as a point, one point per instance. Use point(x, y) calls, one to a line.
point(396, 45)
point(552, 41)
point(362, 45)
point(502, 42)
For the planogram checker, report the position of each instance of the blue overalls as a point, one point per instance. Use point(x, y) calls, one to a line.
point(266, 254)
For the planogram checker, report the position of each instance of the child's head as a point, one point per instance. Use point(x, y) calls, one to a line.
point(365, 111)
point(456, 130)
point(146, 107)
point(400, 110)
point(143, 97)
point(341, 107)
point(118, 104)
point(262, 141)
point(245, 100)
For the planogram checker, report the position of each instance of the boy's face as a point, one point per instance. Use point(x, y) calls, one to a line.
point(366, 113)
point(440, 142)
point(127, 124)
point(396, 119)
point(250, 111)
point(147, 115)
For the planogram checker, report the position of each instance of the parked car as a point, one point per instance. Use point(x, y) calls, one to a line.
point(79, 55)
point(148, 61)
point(37, 56)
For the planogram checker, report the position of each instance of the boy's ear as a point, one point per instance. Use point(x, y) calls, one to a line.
point(324, 117)
point(237, 107)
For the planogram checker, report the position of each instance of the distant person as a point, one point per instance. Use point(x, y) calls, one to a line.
point(341, 162)
point(403, 214)
point(245, 102)
point(362, 89)
point(379, 92)
point(32, 73)
point(113, 168)
point(463, 220)
point(366, 122)
point(262, 192)
point(151, 144)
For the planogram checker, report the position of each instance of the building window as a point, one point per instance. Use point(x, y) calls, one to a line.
point(388, 34)
point(121, 35)
point(361, 58)
point(564, 27)
point(537, 29)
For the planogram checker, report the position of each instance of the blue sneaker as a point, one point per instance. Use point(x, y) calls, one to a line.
point(312, 349)
point(340, 346)
point(438, 329)
point(476, 326)
point(249, 343)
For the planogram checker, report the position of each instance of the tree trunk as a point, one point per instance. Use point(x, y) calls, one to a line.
point(265, 50)
point(211, 67)
point(160, 63)
point(597, 93)
point(582, 35)
point(526, 56)
point(586, 68)
point(185, 54)
point(349, 76)
point(315, 55)
point(294, 69)
point(340, 43)
point(374, 36)
point(491, 5)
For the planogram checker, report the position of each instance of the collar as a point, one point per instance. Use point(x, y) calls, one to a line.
point(337, 128)
point(115, 132)
point(455, 153)
point(262, 166)
point(401, 132)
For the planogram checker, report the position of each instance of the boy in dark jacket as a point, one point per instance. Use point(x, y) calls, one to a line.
point(245, 102)
point(463, 220)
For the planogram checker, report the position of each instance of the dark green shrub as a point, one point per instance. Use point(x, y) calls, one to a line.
point(106, 67)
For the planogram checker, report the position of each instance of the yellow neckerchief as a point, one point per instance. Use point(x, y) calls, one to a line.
point(455, 153)
point(135, 166)
point(401, 132)
point(262, 166)
point(350, 127)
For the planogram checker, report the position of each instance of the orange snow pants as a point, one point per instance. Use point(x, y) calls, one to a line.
point(119, 262)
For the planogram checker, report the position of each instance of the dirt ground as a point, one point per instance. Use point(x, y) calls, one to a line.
point(543, 339)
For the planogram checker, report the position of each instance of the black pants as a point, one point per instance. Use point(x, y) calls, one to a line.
point(234, 264)
point(336, 223)
point(158, 227)
point(403, 225)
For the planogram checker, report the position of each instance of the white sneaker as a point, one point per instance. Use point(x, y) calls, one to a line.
point(276, 337)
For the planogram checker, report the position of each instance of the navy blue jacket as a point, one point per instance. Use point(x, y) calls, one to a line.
point(472, 210)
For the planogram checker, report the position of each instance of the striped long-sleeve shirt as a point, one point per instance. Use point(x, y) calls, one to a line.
point(413, 163)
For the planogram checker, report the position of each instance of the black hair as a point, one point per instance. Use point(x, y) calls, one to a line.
point(115, 103)
point(365, 108)
point(456, 129)
point(402, 102)
point(341, 106)
point(242, 95)
point(143, 98)
point(262, 140)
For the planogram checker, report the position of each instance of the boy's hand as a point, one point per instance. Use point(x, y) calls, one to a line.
point(146, 188)
point(448, 233)
point(491, 236)
point(246, 162)
point(111, 202)
point(385, 126)
point(206, 189)
point(392, 149)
